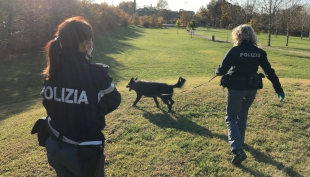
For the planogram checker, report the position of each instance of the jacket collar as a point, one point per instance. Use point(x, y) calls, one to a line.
point(246, 43)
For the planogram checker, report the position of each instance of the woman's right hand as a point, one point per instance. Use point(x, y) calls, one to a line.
point(281, 96)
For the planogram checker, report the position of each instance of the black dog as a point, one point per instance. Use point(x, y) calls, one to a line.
point(154, 89)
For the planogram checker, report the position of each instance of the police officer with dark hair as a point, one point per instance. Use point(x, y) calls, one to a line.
point(242, 61)
point(77, 96)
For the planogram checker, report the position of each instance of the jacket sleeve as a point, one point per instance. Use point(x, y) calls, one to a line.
point(270, 73)
point(108, 97)
point(226, 64)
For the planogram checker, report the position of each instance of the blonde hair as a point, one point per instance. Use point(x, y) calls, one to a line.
point(243, 33)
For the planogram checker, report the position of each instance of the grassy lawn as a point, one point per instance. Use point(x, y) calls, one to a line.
point(147, 141)
point(279, 41)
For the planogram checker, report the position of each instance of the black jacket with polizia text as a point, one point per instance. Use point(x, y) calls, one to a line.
point(243, 60)
point(78, 98)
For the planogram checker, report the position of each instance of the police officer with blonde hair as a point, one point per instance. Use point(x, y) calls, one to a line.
point(239, 74)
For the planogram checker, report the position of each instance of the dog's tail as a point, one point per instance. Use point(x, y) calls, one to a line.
point(180, 83)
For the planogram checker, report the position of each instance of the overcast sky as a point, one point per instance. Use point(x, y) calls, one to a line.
point(175, 5)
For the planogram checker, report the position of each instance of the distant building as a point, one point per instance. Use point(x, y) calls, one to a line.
point(146, 11)
point(192, 13)
point(152, 11)
point(174, 14)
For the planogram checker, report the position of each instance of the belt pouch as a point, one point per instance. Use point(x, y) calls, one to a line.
point(41, 128)
point(225, 80)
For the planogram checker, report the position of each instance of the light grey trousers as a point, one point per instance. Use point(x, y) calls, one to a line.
point(66, 162)
point(237, 108)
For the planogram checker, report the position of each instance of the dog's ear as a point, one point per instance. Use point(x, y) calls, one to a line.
point(181, 79)
point(136, 78)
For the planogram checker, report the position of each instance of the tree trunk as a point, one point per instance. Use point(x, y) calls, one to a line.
point(269, 25)
point(9, 27)
point(214, 21)
point(287, 35)
point(269, 36)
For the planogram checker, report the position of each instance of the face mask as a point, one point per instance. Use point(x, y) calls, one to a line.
point(89, 51)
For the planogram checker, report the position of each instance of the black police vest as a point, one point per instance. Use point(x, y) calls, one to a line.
point(73, 98)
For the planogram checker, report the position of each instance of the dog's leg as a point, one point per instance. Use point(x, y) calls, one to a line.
point(171, 102)
point(137, 99)
point(155, 99)
point(166, 101)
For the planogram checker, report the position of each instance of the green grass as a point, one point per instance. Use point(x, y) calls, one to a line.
point(279, 41)
point(147, 141)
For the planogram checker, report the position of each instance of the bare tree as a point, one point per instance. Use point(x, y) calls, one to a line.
point(248, 6)
point(162, 4)
point(292, 14)
point(178, 24)
point(307, 20)
point(303, 21)
point(277, 24)
point(271, 7)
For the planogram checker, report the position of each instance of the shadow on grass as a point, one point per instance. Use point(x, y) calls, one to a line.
point(297, 48)
point(221, 41)
point(115, 42)
point(298, 56)
point(21, 83)
point(165, 120)
point(21, 80)
point(261, 157)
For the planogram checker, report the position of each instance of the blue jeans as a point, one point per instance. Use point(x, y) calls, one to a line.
point(65, 161)
point(238, 104)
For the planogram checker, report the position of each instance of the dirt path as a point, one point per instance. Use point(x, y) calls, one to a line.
point(265, 47)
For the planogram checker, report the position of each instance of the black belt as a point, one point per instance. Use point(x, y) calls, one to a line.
point(240, 78)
